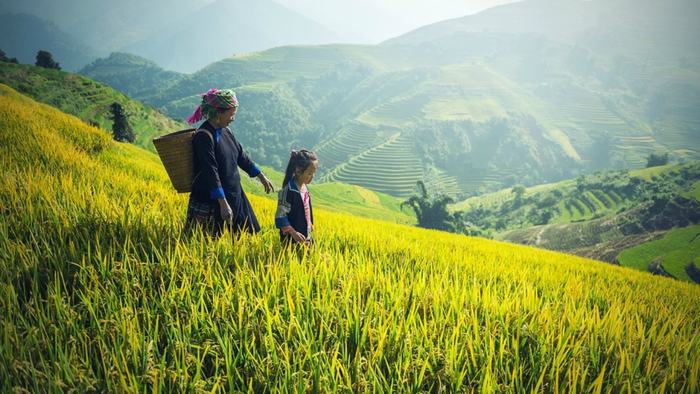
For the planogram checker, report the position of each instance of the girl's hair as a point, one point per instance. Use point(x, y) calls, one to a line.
point(298, 160)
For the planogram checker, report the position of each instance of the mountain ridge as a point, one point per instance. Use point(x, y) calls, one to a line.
point(23, 35)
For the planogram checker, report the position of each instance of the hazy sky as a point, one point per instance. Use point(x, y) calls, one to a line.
point(357, 21)
point(371, 21)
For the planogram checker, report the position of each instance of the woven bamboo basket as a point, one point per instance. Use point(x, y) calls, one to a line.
point(175, 151)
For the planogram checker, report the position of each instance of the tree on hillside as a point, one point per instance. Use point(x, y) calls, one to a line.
point(121, 129)
point(4, 58)
point(654, 160)
point(45, 59)
point(519, 192)
point(431, 212)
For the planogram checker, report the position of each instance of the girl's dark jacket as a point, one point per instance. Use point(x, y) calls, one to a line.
point(290, 211)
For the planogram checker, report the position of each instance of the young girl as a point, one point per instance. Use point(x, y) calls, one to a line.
point(295, 215)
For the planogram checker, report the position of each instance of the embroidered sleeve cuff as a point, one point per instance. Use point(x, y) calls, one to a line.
point(255, 171)
point(282, 222)
point(216, 193)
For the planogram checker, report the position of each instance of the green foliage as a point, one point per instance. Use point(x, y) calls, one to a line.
point(132, 75)
point(655, 160)
point(121, 129)
point(603, 194)
point(45, 59)
point(4, 58)
point(431, 211)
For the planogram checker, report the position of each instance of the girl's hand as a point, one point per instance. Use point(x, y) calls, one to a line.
point(266, 183)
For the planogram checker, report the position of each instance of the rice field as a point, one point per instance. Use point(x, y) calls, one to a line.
point(351, 140)
point(390, 167)
point(101, 291)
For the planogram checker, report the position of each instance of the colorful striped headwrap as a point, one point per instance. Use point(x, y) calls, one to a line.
point(213, 102)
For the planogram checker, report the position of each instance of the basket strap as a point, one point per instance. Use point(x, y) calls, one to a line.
point(205, 131)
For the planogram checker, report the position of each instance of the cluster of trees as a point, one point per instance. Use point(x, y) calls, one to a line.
point(4, 58)
point(655, 160)
point(43, 59)
point(432, 212)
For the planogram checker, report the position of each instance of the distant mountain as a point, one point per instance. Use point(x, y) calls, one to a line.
point(181, 35)
point(107, 25)
point(225, 28)
point(22, 36)
point(132, 75)
point(646, 28)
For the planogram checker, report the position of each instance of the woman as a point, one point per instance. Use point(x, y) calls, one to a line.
point(217, 197)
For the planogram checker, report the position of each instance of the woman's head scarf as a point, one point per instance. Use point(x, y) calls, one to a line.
point(213, 102)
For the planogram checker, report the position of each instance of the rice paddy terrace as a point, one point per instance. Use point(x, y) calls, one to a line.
point(603, 214)
point(390, 167)
point(350, 141)
point(378, 149)
point(592, 202)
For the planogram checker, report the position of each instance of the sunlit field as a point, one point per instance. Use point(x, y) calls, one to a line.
point(101, 291)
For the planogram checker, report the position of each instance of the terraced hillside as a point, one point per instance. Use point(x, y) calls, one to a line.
point(352, 140)
point(390, 167)
point(585, 198)
point(601, 216)
point(439, 182)
point(434, 99)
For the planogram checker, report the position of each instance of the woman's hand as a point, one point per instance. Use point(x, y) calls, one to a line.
point(266, 183)
point(298, 237)
point(225, 210)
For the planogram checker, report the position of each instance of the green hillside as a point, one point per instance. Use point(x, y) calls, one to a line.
point(102, 292)
point(677, 252)
point(132, 75)
point(600, 216)
point(86, 99)
point(584, 198)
